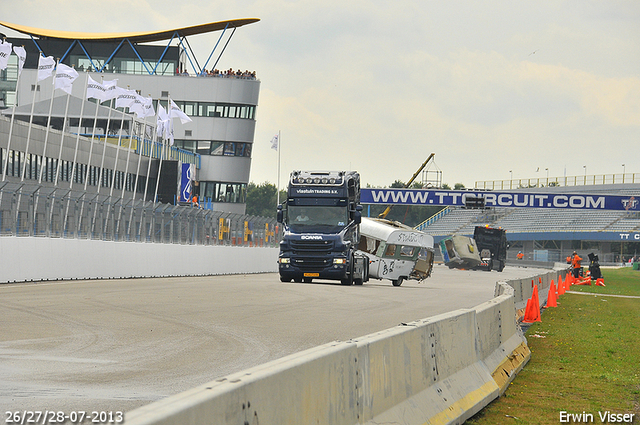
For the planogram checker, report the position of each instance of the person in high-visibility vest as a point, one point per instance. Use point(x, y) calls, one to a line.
point(520, 255)
point(576, 263)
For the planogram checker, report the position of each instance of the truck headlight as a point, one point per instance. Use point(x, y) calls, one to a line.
point(339, 261)
point(285, 260)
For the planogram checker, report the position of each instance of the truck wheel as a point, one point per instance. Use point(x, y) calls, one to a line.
point(366, 268)
point(348, 281)
point(284, 279)
point(297, 279)
point(307, 280)
point(398, 281)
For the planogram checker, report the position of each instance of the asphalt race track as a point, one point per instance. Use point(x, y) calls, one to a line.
point(115, 345)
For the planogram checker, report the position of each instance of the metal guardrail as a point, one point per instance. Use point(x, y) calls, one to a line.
point(586, 180)
point(40, 211)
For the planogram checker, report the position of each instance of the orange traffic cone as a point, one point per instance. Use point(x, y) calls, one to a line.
point(536, 298)
point(560, 285)
point(531, 314)
point(600, 282)
point(551, 299)
point(584, 281)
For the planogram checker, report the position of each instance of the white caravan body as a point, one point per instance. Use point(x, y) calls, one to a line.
point(396, 251)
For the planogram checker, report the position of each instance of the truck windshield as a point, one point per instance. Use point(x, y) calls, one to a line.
point(320, 219)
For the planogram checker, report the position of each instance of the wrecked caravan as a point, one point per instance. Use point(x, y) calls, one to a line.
point(460, 252)
point(396, 252)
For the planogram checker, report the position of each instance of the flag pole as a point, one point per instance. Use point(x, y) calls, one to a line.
point(155, 195)
point(279, 150)
point(13, 115)
point(104, 147)
point(64, 128)
point(126, 171)
point(93, 136)
point(154, 136)
point(75, 153)
point(26, 150)
point(46, 136)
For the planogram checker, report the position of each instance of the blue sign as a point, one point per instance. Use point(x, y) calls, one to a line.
point(186, 177)
point(517, 199)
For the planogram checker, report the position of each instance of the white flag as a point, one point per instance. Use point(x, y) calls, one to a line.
point(111, 90)
point(176, 112)
point(147, 108)
point(5, 52)
point(94, 89)
point(105, 91)
point(274, 142)
point(45, 67)
point(65, 76)
point(142, 106)
point(162, 122)
point(22, 57)
point(126, 99)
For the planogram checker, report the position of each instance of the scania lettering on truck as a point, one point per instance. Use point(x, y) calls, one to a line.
point(321, 222)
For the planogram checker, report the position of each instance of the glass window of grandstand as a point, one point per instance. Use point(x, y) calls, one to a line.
point(206, 147)
point(123, 66)
point(223, 192)
point(216, 110)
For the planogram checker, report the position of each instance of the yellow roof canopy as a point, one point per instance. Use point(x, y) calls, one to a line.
point(134, 37)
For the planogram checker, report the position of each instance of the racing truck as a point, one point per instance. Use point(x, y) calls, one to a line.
point(321, 228)
point(492, 244)
point(487, 250)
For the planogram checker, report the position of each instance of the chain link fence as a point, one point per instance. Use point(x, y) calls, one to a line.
point(54, 212)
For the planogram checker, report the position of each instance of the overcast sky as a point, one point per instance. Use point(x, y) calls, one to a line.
point(495, 88)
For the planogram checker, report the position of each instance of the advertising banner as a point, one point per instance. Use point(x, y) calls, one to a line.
point(187, 173)
point(516, 199)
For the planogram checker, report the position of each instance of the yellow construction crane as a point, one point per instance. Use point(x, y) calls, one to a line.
point(384, 213)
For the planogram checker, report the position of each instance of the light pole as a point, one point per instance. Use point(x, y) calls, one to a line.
point(547, 170)
point(510, 179)
point(585, 174)
point(623, 172)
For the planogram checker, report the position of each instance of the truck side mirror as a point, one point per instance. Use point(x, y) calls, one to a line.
point(279, 214)
point(357, 217)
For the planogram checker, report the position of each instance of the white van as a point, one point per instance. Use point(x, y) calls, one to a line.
point(396, 252)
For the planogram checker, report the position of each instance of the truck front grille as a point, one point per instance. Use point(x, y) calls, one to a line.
point(307, 246)
point(311, 263)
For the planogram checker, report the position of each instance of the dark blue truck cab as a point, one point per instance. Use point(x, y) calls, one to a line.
point(321, 222)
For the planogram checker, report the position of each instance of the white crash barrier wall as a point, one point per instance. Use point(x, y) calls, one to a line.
point(440, 370)
point(523, 288)
point(32, 259)
point(424, 372)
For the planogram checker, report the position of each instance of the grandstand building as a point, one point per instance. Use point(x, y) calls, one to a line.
point(218, 141)
point(550, 235)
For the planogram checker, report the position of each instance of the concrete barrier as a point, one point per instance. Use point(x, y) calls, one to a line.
point(501, 344)
point(424, 372)
point(319, 385)
point(523, 288)
point(32, 258)
point(439, 370)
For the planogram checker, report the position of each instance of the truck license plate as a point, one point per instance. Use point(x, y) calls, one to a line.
point(312, 275)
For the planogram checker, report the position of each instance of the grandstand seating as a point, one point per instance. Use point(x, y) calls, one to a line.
point(531, 220)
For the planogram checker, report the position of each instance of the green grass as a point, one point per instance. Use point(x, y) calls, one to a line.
point(585, 357)
point(619, 281)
